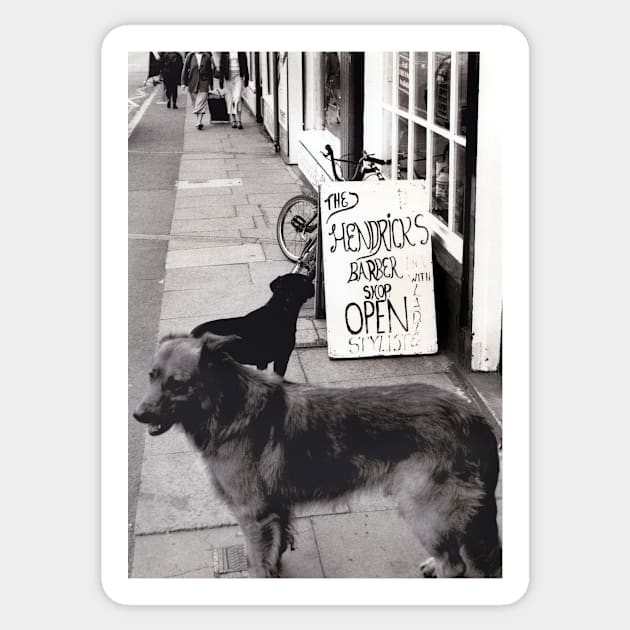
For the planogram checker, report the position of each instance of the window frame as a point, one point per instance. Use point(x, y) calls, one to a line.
point(452, 241)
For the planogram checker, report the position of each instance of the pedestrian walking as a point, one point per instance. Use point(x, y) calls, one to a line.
point(155, 67)
point(198, 77)
point(234, 74)
point(172, 66)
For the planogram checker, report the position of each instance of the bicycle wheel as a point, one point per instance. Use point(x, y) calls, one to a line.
point(296, 222)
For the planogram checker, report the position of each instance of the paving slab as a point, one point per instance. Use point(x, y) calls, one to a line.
point(181, 554)
point(183, 325)
point(197, 173)
point(307, 336)
point(271, 199)
point(191, 156)
point(266, 272)
point(213, 225)
point(204, 166)
point(204, 201)
point(272, 251)
point(367, 545)
point(248, 210)
point(210, 196)
point(200, 241)
point(270, 184)
point(191, 302)
point(202, 257)
point(176, 494)
point(320, 368)
point(321, 508)
point(215, 277)
point(271, 214)
point(205, 212)
point(261, 222)
point(258, 173)
point(303, 561)
point(262, 235)
point(294, 372)
point(173, 441)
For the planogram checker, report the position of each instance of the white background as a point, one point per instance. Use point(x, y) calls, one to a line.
point(49, 262)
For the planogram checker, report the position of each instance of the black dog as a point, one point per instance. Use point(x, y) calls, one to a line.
point(268, 333)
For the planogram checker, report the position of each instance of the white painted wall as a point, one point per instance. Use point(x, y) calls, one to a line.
point(487, 272)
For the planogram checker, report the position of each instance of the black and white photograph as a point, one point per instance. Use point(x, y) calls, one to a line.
point(321, 325)
point(316, 354)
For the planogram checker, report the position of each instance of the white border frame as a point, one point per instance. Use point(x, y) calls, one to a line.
point(512, 45)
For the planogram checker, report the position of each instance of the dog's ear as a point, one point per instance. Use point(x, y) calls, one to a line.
point(213, 345)
point(276, 284)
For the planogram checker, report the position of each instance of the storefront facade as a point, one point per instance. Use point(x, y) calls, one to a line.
point(432, 114)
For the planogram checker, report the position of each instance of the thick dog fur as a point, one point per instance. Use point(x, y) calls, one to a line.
point(270, 445)
point(268, 333)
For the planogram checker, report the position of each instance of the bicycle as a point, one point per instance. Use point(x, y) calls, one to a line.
point(300, 213)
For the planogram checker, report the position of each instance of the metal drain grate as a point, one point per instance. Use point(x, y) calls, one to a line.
point(230, 561)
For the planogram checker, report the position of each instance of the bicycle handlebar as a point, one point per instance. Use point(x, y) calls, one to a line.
point(364, 158)
point(374, 160)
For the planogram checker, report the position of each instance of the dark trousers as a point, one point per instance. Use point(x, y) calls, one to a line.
point(171, 85)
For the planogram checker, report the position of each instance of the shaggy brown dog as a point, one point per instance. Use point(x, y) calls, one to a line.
point(271, 445)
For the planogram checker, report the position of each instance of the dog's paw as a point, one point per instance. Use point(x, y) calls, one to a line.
point(272, 572)
point(428, 568)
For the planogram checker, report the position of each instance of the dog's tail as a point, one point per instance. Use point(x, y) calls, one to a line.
point(481, 543)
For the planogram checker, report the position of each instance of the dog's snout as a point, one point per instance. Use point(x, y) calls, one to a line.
point(143, 413)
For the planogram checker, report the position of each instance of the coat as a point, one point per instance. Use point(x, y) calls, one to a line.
point(172, 66)
point(198, 78)
point(224, 68)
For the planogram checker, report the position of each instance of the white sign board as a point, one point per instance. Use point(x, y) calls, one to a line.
point(378, 269)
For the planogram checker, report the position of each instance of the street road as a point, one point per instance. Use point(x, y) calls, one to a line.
point(155, 146)
point(137, 92)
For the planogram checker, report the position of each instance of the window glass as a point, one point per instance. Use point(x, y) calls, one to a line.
point(403, 136)
point(403, 81)
point(462, 89)
point(442, 88)
point(460, 188)
point(439, 203)
point(332, 86)
point(442, 136)
point(387, 78)
point(419, 152)
point(421, 84)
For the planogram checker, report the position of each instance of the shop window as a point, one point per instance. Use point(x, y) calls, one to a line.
point(323, 107)
point(421, 91)
point(426, 114)
point(403, 81)
point(332, 93)
point(332, 101)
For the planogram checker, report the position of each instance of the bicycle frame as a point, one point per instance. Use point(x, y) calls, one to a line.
point(367, 164)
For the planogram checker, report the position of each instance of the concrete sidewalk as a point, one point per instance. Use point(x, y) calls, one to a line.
point(222, 255)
